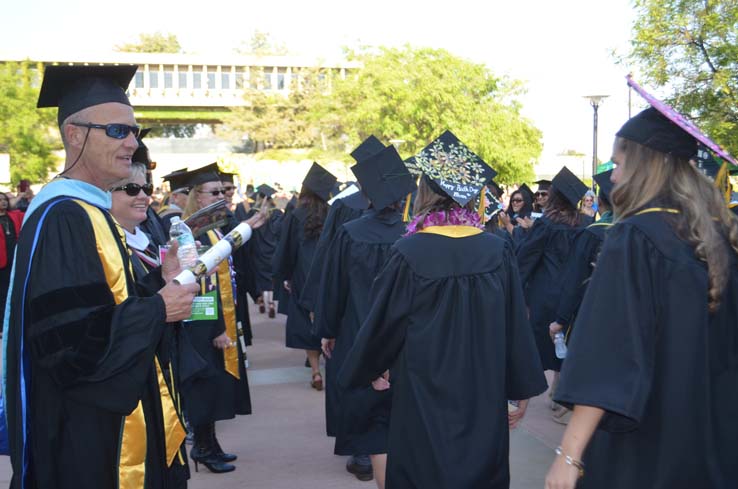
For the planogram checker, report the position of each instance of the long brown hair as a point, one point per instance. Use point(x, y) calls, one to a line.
point(559, 210)
point(317, 209)
point(704, 221)
point(427, 200)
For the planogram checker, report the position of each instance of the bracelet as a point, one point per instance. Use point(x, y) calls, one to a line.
point(571, 461)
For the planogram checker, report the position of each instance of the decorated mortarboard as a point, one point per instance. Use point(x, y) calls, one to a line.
point(320, 181)
point(204, 174)
point(412, 166)
point(177, 180)
point(369, 147)
point(266, 190)
point(662, 128)
point(453, 168)
point(569, 186)
point(525, 190)
point(543, 185)
point(495, 189)
point(141, 155)
point(384, 178)
point(73, 88)
point(603, 181)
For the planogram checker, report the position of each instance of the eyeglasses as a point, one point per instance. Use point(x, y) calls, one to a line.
point(542, 194)
point(229, 188)
point(214, 193)
point(132, 189)
point(115, 131)
point(517, 201)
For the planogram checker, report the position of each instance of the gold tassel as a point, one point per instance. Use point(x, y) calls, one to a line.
point(406, 212)
point(722, 182)
point(482, 204)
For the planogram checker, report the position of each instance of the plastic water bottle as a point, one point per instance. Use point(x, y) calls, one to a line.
point(560, 345)
point(187, 252)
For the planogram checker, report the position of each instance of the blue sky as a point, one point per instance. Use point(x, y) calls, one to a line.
point(562, 50)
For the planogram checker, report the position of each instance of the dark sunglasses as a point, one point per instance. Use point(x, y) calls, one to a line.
point(116, 131)
point(132, 189)
point(541, 194)
point(229, 188)
point(517, 200)
point(214, 193)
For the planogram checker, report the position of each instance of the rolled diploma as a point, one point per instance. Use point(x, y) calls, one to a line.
point(216, 254)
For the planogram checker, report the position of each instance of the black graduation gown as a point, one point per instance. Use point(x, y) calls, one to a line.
point(291, 262)
point(340, 212)
point(577, 271)
point(154, 227)
point(355, 257)
point(646, 350)
point(541, 258)
point(262, 246)
point(91, 360)
point(448, 316)
point(212, 394)
point(166, 219)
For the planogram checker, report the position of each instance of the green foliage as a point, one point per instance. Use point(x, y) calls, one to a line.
point(413, 95)
point(29, 135)
point(691, 48)
point(261, 44)
point(152, 43)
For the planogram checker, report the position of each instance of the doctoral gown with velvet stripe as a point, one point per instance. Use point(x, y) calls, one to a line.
point(447, 315)
point(291, 263)
point(542, 257)
point(357, 417)
point(91, 360)
point(645, 349)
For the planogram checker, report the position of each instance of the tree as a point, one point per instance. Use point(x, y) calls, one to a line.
point(262, 44)
point(690, 47)
point(415, 94)
point(152, 43)
point(26, 133)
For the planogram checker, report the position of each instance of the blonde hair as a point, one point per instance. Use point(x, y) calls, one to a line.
point(704, 221)
point(192, 205)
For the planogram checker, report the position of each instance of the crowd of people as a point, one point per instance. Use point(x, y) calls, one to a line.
point(437, 297)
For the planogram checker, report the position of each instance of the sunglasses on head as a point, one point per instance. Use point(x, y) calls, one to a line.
point(132, 189)
point(214, 193)
point(115, 131)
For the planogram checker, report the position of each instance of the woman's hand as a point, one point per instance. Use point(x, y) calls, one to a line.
point(562, 475)
point(222, 342)
point(382, 383)
point(327, 345)
point(258, 219)
point(525, 223)
point(514, 417)
point(287, 285)
point(505, 220)
point(554, 328)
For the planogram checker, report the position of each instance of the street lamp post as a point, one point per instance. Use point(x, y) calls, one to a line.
point(595, 101)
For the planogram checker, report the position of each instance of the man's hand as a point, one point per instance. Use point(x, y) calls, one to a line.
point(554, 328)
point(382, 383)
point(178, 300)
point(515, 416)
point(327, 345)
point(287, 285)
point(222, 342)
point(258, 219)
point(170, 267)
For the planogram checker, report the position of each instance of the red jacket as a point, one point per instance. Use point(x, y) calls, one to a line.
point(17, 218)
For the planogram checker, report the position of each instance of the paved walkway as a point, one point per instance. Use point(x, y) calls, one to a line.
point(283, 444)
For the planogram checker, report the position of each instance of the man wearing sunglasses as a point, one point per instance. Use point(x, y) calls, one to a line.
point(82, 386)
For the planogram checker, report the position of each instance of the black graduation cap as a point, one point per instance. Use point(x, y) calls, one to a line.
point(320, 181)
point(177, 180)
point(141, 155)
point(495, 189)
point(370, 146)
point(226, 177)
point(384, 177)
point(266, 190)
point(205, 174)
point(706, 163)
point(454, 168)
point(569, 185)
point(543, 184)
point(654, 130)
point(525, 189)
point(412, 166)
point(73, 88)
point(603, 181)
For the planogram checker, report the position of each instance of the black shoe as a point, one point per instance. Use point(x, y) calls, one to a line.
point(218, 452)
point(361, 467)
point(212, 462)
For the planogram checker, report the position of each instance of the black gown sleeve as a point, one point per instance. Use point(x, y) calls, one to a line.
point(577, 271)
point(285, 256)
point(610, 362)
point(382, 335)
point(99, 352)
point(524, 376)
point(530, 251)
point(334, 288)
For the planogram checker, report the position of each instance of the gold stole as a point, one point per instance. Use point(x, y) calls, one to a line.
point(452, 231)
point(228, 305)
point(132, 457)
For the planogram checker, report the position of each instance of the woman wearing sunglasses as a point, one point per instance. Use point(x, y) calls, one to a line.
point(130, 198)
point(221, 390)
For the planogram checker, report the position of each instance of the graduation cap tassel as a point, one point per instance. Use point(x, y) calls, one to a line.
point(406, 212)
point(482, 204)
point(722, 182)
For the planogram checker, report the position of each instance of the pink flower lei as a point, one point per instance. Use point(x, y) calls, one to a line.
point(454, 217)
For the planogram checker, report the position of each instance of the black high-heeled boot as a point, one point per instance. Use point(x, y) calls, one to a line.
point(202, 451)
point(217, 451)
